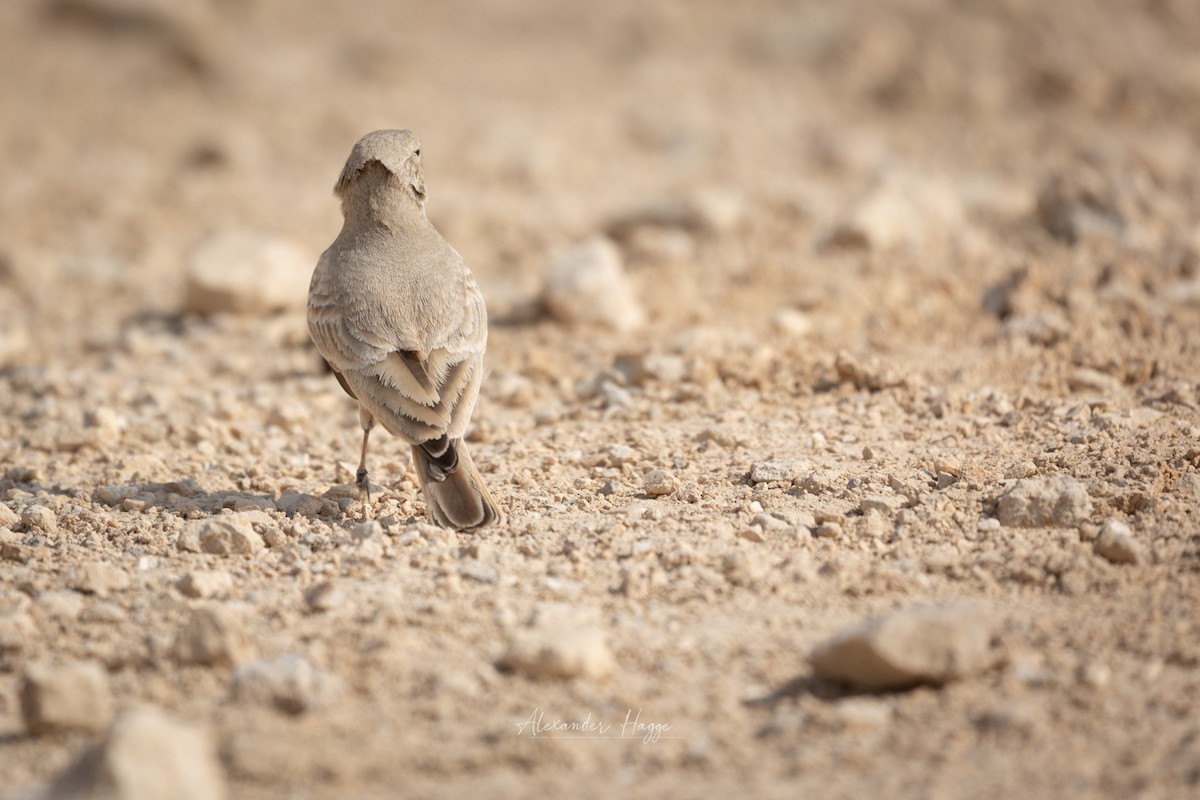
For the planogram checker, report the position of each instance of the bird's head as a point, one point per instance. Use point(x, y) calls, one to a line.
point(387, 158)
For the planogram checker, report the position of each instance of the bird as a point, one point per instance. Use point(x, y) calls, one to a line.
point(399, 318)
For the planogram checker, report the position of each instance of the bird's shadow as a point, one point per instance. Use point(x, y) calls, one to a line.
point(186, 498)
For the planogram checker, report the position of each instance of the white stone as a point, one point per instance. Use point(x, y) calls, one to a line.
point(246, 272)
point(224, 534)
point(289, 683)
point(1116, 544)
point(587, 284)
point(902, 208)
point(204, 584)
point(906, 648)
point(777, 471)
point(660, 483)
point(38, 517)
point(1045, 501)
point(560, 653)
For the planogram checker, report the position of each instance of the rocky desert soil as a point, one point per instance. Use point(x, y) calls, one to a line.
point(844, 373)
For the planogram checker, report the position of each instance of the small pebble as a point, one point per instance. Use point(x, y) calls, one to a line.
point(203, 584)
point(752, 533)
point(775, 471)
point(660, 483)
point(559, 653)
point(289, 683)
point(40, 518)
point(1116, 544)
point(225, 534)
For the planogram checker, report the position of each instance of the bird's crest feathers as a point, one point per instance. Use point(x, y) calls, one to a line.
point(391, 148)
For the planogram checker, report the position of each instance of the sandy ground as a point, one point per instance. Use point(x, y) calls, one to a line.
point(893, 258)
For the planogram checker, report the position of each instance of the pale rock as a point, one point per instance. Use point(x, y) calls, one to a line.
point(246, 272)
point(664, 368)
point(289, 683)
point(224, 534)
point(145, 755)
point(660, 483)
point(587, 284)
point(214, 636)
point(38, 517)
point(752, 534)
point(8, 517)
point(480, 573)
point(1084, 379)
point(792, 322)
point(902, 208)
point(1045, 501)
point(906, 648)
point(776, 471)
point(1116, 544)
point(717, 209)
point(203, 584)
point(99, 578)
point(74, 696)
point(560, 653)
point(113, 495)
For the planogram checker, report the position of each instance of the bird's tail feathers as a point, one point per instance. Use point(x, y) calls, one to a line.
point(456, 498)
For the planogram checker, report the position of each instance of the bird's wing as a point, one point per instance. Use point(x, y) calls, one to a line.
point(417, 390)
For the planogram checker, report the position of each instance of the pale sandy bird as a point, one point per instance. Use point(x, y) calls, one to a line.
point(399, 318)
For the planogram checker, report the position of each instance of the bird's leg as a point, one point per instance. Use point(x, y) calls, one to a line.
point(364, 482)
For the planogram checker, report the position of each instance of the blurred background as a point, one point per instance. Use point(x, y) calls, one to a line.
point(897, 253)
point(134, 131)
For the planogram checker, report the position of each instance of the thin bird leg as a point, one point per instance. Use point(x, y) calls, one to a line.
point(364, 483)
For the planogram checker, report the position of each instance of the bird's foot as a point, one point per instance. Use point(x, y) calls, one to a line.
point(364, 485)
